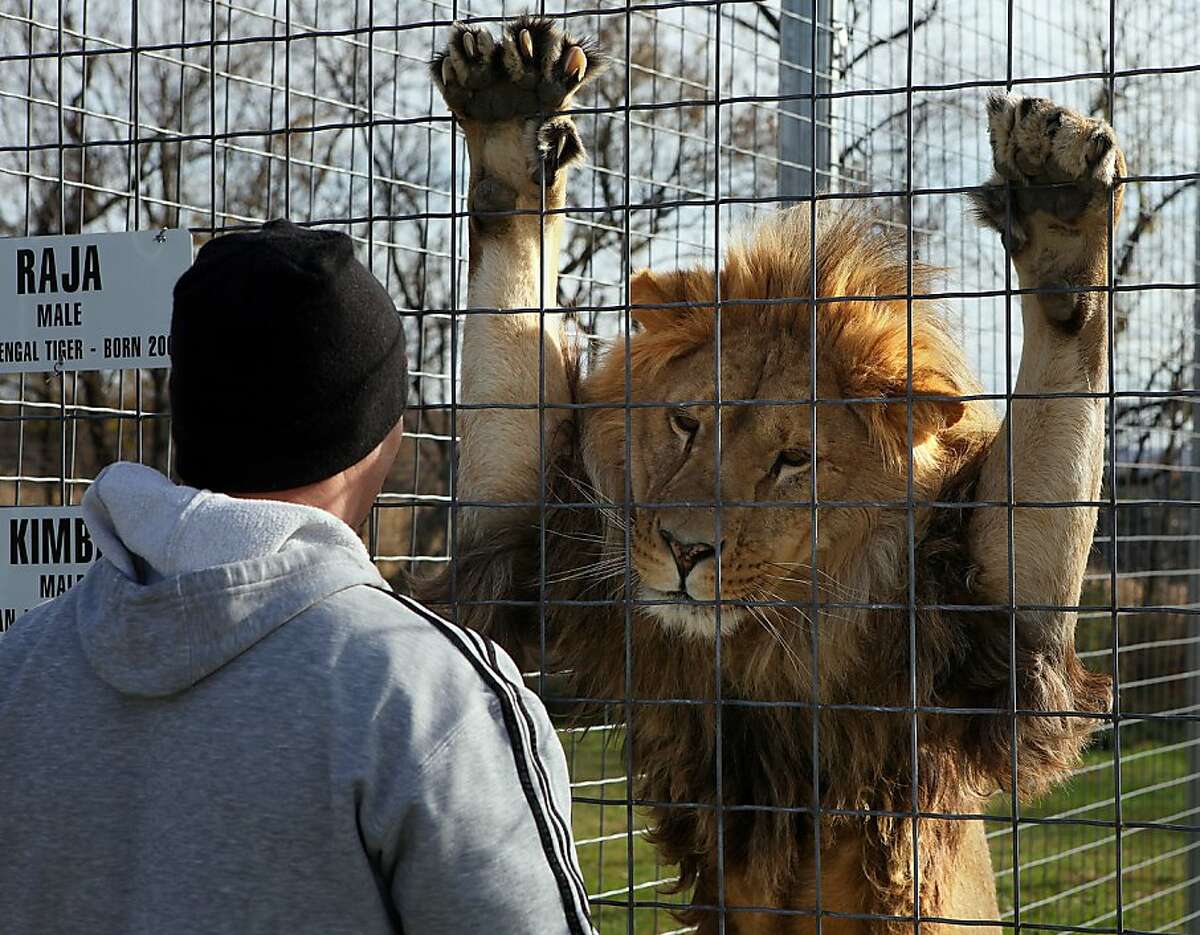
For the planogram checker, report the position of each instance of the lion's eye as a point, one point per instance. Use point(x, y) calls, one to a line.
point(684, 425)
point(791, 458)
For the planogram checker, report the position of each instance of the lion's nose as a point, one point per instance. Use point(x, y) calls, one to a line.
point(687, 555)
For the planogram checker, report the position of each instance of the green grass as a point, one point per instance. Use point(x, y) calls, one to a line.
point(594, 757)
point(1066, 889)
point(1154, 787)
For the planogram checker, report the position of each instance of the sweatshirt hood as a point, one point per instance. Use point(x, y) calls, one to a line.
point(191, 579)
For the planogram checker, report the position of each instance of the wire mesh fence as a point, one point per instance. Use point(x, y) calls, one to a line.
point(118, 115)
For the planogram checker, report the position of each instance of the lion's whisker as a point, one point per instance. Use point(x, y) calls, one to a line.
point(843, 593)
point(778, 603)
point(807, 567)
point(602, 569)
point(831, 584)
point(758, 615)
point(593, 495)
point(576, 536)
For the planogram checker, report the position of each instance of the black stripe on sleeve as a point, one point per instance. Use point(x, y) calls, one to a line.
point(562, 833)
point(563, 875)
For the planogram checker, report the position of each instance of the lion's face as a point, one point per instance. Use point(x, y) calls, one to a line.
point(769, 465)
point(771, 542)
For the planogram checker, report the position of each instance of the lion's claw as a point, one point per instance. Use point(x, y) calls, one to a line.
point(558, 146)
point(575, 64)
point(466, 63)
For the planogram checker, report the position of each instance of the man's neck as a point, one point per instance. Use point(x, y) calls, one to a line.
point(333, 495)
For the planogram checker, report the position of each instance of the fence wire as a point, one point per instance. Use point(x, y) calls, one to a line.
point(119, 115)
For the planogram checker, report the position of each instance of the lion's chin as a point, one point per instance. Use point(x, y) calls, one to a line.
point(683, 617)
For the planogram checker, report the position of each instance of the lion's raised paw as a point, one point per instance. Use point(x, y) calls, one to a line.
point(1047, 158)
point(1054, 198)
point(535, 68)
point(1035, 140)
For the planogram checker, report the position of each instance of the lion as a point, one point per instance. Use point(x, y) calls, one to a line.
point(816, 715)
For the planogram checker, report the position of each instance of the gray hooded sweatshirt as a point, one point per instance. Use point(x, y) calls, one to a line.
point(230, 725)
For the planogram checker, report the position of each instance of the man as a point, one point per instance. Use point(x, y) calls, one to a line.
point(231, 724)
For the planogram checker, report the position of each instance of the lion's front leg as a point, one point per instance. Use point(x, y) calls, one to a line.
point(1058, 237)
point(509, 94)
point(1054, 200)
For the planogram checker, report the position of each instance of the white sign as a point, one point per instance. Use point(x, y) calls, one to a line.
point(43, 551)
point(88, 302)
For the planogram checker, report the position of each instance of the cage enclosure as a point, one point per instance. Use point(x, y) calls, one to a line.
point(710, 118)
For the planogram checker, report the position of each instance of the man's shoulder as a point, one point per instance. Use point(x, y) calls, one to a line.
point(412, 675)
point(372, 613)
point(376, 629)
point(45, 621)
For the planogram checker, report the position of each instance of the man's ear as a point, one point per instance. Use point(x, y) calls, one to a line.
point(691, 291)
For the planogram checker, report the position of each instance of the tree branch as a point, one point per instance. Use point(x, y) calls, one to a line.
point(922, 20)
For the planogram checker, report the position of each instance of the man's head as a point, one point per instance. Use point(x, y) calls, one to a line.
point(287, 364)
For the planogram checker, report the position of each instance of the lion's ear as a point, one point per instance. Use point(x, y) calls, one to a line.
point(930, 416)
point(888, 422)
point(692, 289)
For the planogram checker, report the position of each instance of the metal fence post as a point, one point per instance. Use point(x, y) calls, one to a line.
point(1193, 487)
point(803, 121)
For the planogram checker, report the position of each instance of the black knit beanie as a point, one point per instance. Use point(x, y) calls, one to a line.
point(287, 361)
